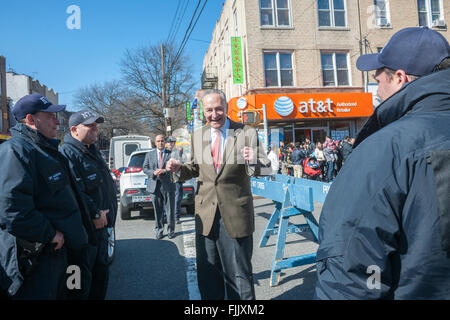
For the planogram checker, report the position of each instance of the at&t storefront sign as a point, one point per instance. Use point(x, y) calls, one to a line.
point(307, 105)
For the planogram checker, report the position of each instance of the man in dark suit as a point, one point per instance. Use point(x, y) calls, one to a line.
point(177, 154)
point(162, 188)
point(224, 154)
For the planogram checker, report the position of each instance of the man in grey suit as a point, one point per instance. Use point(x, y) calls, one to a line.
point(162, 188)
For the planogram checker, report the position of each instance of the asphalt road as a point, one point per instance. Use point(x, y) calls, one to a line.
point(149, 269)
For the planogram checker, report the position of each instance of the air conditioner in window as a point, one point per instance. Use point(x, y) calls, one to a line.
point(383, 22)
point(439, 23)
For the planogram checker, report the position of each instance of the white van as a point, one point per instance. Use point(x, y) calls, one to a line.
point(121, 148)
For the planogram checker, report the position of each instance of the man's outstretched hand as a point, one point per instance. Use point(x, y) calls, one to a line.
point(173, 165)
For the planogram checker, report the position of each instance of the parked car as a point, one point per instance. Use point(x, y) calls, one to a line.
point(133, 184)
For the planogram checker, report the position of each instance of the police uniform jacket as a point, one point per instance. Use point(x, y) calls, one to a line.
point(37, 197)
point(93, 178)
point(384, 229)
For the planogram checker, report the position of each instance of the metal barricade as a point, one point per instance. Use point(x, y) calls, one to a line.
point(290, 200)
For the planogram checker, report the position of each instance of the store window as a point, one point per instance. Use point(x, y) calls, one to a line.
point(275, 13)
point(431, 13)
point(335, 70)
point(332, 13)
point(382, 13)
point(278, 70)
point(339, 130)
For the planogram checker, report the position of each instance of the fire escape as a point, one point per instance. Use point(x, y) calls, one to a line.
point(209, 78)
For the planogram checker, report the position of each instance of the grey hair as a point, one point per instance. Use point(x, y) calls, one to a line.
point(223, 97)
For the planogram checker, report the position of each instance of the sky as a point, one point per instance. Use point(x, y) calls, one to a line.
point(36, 41)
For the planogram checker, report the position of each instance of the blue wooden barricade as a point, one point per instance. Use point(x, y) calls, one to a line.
point(290, 200)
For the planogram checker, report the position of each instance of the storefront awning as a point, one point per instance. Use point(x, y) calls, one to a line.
point(304, 106)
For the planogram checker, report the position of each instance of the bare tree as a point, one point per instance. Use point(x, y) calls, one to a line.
point(124, 111)
point(142, 68)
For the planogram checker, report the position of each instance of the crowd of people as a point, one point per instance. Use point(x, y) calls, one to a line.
point(317, 161)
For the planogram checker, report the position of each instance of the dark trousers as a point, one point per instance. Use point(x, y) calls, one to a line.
point(330, 170)
point(100, 266)
point(163, 205)
point(178, 198)
point(224, 265)
point(80, 258)
point(47, 281)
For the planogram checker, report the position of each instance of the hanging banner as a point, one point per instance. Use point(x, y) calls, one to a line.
point(236, 58)
point(201, 110)
point(188, 111)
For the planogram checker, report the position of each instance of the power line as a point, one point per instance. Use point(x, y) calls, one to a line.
point(180, 20)
point(189, 32)
point(173, 20)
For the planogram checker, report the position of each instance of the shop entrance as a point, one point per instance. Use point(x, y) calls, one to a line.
point(314, 134)
point(318, 135)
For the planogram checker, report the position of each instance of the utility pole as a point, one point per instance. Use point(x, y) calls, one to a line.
point(165, 109)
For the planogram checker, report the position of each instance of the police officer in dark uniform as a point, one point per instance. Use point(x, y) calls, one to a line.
point(40, 219)
point(97, 188)
point(176, 154)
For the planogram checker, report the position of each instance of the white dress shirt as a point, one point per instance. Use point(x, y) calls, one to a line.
point(223, 131)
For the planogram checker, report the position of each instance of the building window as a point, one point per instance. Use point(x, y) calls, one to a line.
point(430, 13)
point(331, 13)
point(275, 13)
point(382, 13)
point(278, 69)
point(335, 69)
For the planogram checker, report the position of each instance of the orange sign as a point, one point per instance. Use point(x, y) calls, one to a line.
point(305, 105)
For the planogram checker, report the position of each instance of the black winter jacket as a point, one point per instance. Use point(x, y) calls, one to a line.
point(93, 177)
point(37, 197)
point(384, 227)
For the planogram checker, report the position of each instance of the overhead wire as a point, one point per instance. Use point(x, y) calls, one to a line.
point(180, 20)
point(189, 30)
point(173, 21)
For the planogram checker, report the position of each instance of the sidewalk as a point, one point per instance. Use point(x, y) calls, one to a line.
point(295, 283)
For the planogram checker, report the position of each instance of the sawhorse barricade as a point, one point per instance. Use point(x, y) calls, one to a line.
point(290, 200)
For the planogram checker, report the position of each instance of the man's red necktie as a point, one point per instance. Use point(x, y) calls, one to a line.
point(216, 150)
point(160, 159)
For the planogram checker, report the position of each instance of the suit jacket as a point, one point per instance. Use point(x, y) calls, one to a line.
point(151, 165)
point(228, 189)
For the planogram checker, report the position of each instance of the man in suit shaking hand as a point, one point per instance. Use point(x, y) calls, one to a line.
point(224, 154)
point(161, 186)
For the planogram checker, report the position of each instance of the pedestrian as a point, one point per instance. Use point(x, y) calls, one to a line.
point(89, 169)
point(289, 164)
point(329, 151)
point(310, 146)
point(160, 185)
point(223, 162)
point(384, 229)
point(346, 149)
point(318, 153)
point(40, 218)
point(177, 154)
point(273, 157)
point(297, 159)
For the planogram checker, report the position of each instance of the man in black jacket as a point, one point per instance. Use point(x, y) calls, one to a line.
point(97, 189)
point(384, 229)
point(346, 149)
point(40, 217)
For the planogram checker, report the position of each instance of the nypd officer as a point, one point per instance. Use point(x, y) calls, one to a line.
point(176, 153)
point(97, 188)
point(40, 219)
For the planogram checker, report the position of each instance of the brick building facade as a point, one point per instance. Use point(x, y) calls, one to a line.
point(293, 47)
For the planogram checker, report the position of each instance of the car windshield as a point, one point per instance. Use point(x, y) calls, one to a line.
point(137, 160)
